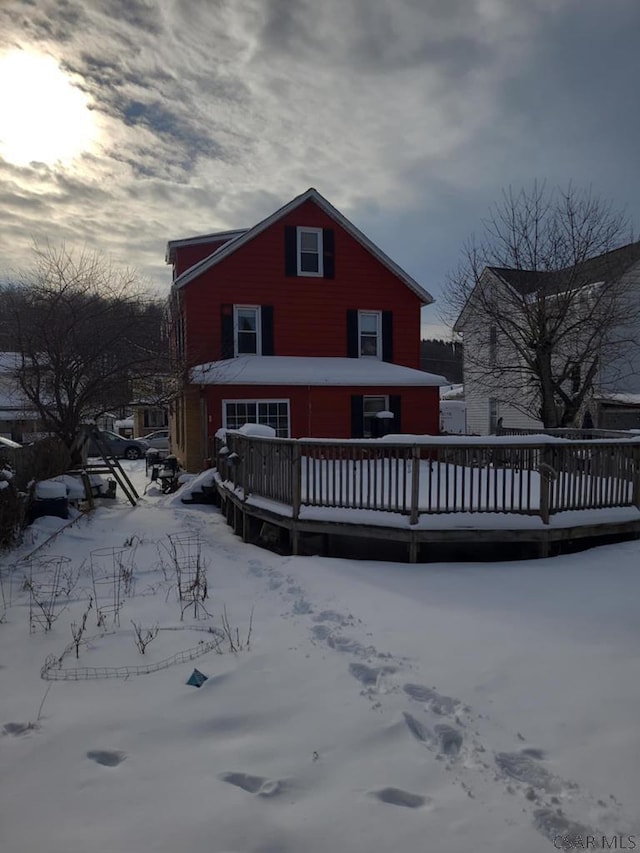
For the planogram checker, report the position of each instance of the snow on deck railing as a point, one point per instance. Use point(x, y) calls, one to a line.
point(415, 475)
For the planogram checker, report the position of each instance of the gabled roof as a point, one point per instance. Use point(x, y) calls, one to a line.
point(310, 195)
point(602, 268)
point(606, 267)
point(215, 237)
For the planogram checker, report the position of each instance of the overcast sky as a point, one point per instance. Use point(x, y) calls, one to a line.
point(410, 116)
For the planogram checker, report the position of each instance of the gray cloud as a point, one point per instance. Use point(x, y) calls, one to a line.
point(409, 115)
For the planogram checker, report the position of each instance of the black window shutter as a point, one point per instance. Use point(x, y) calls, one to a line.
point(226, 331)
point(290, 250)
point(387, 335)
point(357, 421)
point(266, 322)
point(352, 334)
point(395, 403)
point(328, 258)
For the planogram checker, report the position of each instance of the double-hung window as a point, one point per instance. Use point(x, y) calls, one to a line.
point(370, 334)
point(309, 251)
point(247, 336)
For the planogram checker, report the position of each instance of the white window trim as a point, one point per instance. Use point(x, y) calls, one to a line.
point(256, 401)
point(300, 230)
point(255, 308)
point(378, 315)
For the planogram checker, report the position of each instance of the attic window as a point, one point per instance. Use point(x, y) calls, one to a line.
point(309, 251)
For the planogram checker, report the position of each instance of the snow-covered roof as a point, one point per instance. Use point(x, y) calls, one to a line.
point(452, 392)
point(292, 370)
point(310, 195)
point(620, 398)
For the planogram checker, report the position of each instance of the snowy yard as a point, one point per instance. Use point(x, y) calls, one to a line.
point(380, 707)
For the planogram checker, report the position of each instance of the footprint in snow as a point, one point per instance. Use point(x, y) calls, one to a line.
point(369, 675)
point(348, 645)
point(439, 704)
point(565, 834)
point(526, 769)
point(447, 738)
point(398, 797)
point(17, 729)
point(254, 784)
point(331, 616)
point(107, 757)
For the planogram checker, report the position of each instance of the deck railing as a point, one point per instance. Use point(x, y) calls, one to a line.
point(538, 476)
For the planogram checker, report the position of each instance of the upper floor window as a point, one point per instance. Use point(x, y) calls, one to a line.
point(370, 334)
point(246, 330)
point(493, 344)
point(310, 251)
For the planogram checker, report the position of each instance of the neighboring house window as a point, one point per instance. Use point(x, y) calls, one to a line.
point(246, 330)
point(493, 344)
point(309, 251)
point(273, 413)
point(493, 415)
point(574, 375)
point(370, 334)
point(155, 418)
point(370, 408)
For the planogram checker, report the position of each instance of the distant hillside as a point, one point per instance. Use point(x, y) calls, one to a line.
point(443, 358)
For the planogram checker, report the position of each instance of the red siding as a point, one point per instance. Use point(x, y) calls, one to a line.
point(309, 313)
point(325, 412)
point(187, 256)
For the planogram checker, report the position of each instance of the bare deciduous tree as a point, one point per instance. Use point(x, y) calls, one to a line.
point(83, 331)
point(543, 301)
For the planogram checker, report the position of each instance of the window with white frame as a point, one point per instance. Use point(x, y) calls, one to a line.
point(273, 413)
point(246, 330)
point(370, 334)
point(493, 415)
point(309, 251)
point(370, 408)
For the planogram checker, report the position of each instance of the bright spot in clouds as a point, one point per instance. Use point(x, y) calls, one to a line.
point(43, 117)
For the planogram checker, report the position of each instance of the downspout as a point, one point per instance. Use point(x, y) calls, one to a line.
point(204, 437)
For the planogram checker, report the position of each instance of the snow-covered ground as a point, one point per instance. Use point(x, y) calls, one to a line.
point(380, 707)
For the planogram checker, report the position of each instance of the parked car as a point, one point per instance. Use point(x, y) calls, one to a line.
point(122, 448)
point(157, 440)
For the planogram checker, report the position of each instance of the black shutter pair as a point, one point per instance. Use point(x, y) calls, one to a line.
point(357, 414)
point(227, 348)
point(353, 349)
point(291, 252)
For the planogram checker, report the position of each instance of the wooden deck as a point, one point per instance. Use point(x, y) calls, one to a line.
point(540, 490)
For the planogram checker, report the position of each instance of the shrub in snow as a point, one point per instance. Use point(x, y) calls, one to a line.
point(11, 506)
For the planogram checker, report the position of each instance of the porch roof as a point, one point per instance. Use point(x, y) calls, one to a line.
point(311, 370)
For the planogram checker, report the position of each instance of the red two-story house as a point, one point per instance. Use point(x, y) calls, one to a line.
point(301, 323)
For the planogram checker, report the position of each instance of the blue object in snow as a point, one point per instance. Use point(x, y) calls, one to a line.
point(197, 678)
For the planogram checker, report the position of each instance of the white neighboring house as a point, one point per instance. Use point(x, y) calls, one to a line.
point(18, 420)
point(504, 395)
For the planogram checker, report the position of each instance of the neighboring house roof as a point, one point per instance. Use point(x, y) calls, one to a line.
point(215, 237)
point(606, 267)
point(311, 370)
point(310, 195)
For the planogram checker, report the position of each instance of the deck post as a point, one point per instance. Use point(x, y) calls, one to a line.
point(636, 477)
point(415, 485)
point(544, 471)
point(296, 481)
